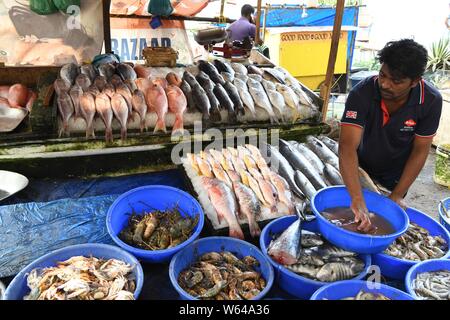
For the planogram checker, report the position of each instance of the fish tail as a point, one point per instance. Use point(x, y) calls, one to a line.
point(142, 126)
point(90, 131)
point(236, 232)
point(178, 126)
point(232, 117)
point(109, 135)
point(160, 126)
point(215, 115)
point(123, 134)
point(273, 118)
point(255, 231)
point(295, 115)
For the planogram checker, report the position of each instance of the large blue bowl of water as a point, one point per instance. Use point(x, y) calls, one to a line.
point(147, 199)
point(186, 257)
point(18, 288)
point(424, 266)
point(345, 289)
point(338, 196)
point(295, 284)
point(396, 268)
point(443, 218)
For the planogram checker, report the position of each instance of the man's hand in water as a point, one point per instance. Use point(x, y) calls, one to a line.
point(361, 214)
point(398, 199)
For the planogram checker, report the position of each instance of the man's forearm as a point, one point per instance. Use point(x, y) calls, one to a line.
point(348, 164)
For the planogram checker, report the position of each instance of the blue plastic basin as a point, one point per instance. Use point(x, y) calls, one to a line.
point(18, 288)
point(295, 284)
point(183, 259)
point(445, 221)
point(396, 268)
point(147, 199)
point(338, 196)
point(424, 266)
point(344, 289)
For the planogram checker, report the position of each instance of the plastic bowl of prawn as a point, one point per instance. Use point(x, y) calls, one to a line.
point(157, 197)
point(18, 288)
point(185, 258)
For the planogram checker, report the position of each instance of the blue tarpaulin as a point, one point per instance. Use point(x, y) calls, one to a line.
point(289, 17)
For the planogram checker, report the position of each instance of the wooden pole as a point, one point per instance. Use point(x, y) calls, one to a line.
point(258, 22)
point(266, 13)
point(107, 25)
point(326, 88)
point(222, 9)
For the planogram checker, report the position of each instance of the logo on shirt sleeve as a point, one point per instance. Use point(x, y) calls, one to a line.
point(351, 114)
point(410, 123)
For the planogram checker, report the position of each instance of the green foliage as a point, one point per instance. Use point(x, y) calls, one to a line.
point(439, 55)
point(370, 65)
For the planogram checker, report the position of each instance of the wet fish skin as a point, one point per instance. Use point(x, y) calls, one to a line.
point(93, 90)
point(89, 70)
point(211, 71)
point(241, 77)
point(304, 184)
point(177, 105)
point(190, 79)
point(116, 80)
point(249, 206)
point(173, 79)
point(333, 175)
point(268, 85)
point(286, 249)
point(69, 73)
point(254, 70)
point(311, 157)
point(205, 82)
point(100, 82)
point(277, 101)
point(66, 111)
point(107, 70)
point(60, 86)
point(223, 67)
point(83, 81)
point(225, 102)
point(187, 90)
point(120, 109)
point(261, 99)
point(239, 68)
point(126, 72)
point(88, 110)
point(330, 143)
point(201, 101)
point(311, 239)
point(274, 75)
point(157, 101)
point(75, 94)
point(322, 151)
point(245, 95)
point(125, 92)
point(104, 110)
point(336, 271)
point(304, 270)
point(329, 251)
point(109, 90)
point(233, 93)
point(131, 84)
point(140, 107)
point(214, 105)
point(228, 77)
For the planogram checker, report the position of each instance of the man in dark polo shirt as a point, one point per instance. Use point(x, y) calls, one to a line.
point(388, 125)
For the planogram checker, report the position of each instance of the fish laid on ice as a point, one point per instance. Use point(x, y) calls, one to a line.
point(69, 73)
point(204, 80)
point(249, 206)
point(202, 103)
point(104, 109)
point(333, 175)
point(311, 157)
point(239, 68)
point(120, 109)
point(157, 101)
point(66, 110)
point(140, 107)
point(83, 81)
point(126, 72)
point(88, 110)
point(75, 94)
point(222, 66)
point(277, 101)
point(304, 184)
point(286, 249)
point(173, 79)
point(245, 95)
point(225, 102)
point(177, 105)
point(224, 203)
point(330, 143)
point(211, 71)
point(261, 100)
point(233, 93)
point(322, 151)
point(187, 90)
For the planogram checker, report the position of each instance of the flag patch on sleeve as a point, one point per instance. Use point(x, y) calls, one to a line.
point(351, 114)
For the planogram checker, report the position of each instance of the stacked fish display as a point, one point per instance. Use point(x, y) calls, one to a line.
point(115, 95)
point(236, 186)
point(16, 102)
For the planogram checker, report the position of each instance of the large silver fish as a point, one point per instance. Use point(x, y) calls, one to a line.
point(304, 184)
point(322, 151)
point(333, 175)
point(233, 93)
point(278, 102)
point(261, 99)
point(245, 95)
point(330, 143)
point(311, 157)
point(225, 102)
point(239, 68)
point(291, 101)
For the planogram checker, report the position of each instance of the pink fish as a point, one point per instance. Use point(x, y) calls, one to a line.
point(249, 206)
point(162, 82)
point(120, 109)
point(140, 106)
point(123, 90)
point(177, 105)
point(104, 109)
point(66, 110)
point(83, 81)
point(87, 107)
point(157, 101)
point(75, 93)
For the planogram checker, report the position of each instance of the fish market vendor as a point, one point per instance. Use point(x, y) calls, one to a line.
point(388, 125)
point(244, 27)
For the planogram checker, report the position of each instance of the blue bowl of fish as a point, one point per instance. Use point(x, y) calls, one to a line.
point(431, 241)
point(386, 211)
point(135, 204)
point(319, 263)
point(112, 263)
point(359, 290)
point(192, 268)
point(429, 280)
point(444, 213)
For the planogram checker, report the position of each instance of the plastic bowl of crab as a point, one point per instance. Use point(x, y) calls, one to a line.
point(213, 267)
point(420, 242)
point(294, 283)
point(359, 290)
point(149, 198)
point(117, 266)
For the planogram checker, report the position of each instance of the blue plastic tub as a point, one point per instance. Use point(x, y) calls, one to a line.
point(395, 268)
point(18, 288)
point(287, 280)
point(146, 199)
point(445, 221)
point(344, 289)
point(424, 266)
point(183, 259)
point(338, 196)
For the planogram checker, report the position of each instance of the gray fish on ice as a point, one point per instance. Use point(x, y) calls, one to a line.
point(333, 175)
point(330, 143)
point(233, 93)
point(304, 184)
point(225, 102)
point(322, 151)
point(246, 97)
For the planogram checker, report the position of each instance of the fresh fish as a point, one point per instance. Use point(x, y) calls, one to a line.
point(242, 77)
point(123, 90)
point(310, 257)
point(268, 85)
point(211, 71)
point(273, 75)
point(109, 90)
point(361, 295)
point(311, 239)
point(246, 97)
point(157, 101)
point(299, 162)
point(239, 68)
point(329, 251)
point(187, 90)
point(126, 72)
point(177, 105)
point(205, 167)
point(66, 111)
point(333, 175)
point(336, 271)
point(330, 143)
point(225, 102)
point(88, 110)
point(219, 173)
point(100, 83)
point(281, 187)
point(233, 93)
point(366, 181)
point(277, 101)
point(224, 203)
point(304, 184)
point(105, 111)
point(190, 79)
point(131, 84)
point(255, 70)
point(291, 101)
point(249, 206)
point(228, 77)
point(173, 79)
point(75, 94)
point(140, 107)
point(107, 70)
point(143, 72)
point(89, 70)
point(261, 100)
point(255, 77)
point(201, 101)
point(161, 82)
point(214, 103)
point(120, 109)
point(322, 151)
point(204, 80)
point(311, 157)
point(253, 184)
point(60, 86)
point(257, 156)
point(304, 270)
point(93, 90)
point(83, 81)
point(69, 73)
point(432, 285)
point(286, 249)
point(223, 67)
point(116, 80)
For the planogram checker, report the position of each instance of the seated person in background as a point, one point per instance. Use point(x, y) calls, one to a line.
point(244, 27)
point(263, 49)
